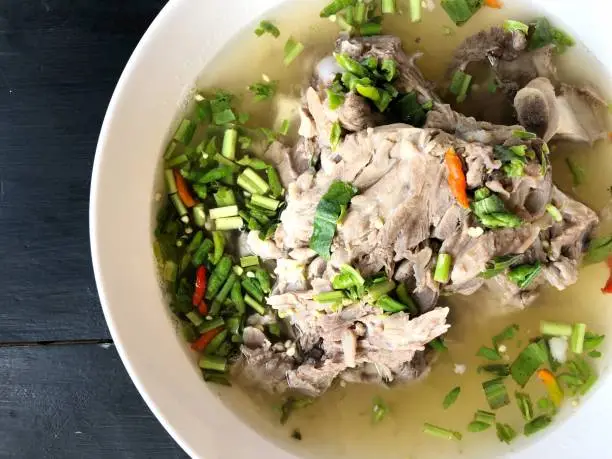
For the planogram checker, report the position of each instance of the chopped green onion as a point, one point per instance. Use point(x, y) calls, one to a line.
point(267, 27)
point(184, 133)
point(247, 185)
point(554, 213)
point(276, 189)
point(349, 64)
point(592, 341)
point(402, 294)
point(178, 204)
point(506, 334)
point(202, 252)
point(223, 212)
point(484, 416)
point(524, 275)
point(511, 26)
point(499, 369)
point(229, 143)
point(539, 423)
point(176, 161)
point(199, 215)
point(251, 260)
point(224, 117)
point(170, 181)
point(440, 432)
point(496, 393)
point(369, 29)
point(265, 282)
point(527, 362)
point(343, 23)
point(253, 288)
point(595, 354)
point(170, 150)
point(209, 325)
point(293, 49)
point(218, 276)
point(555, 329)
point(388, 304)
point(379, 289)
point(460, 84)
point(416, 10)
point(262, 201)
point(460, 11)
point(225, 197)
point(379, 410)
point(388, 7)
point(451, 397)
point(577, 339)
point(329, 297)
point(170, 271)
point(525, 405)
point(285, 126)
point(443, 268)
point(212, 362)
point(437, 345)
point(255, 305)
point(524, 135)
point(335, 7)
point(259, 183)
point(219, 247)
point(478, 426)
point(223, 294)
point(194, 318)
point(228, 223)
point(334, 136)
point(488, 353)
point(578, 173)
point(215, 175)
point(505, 433)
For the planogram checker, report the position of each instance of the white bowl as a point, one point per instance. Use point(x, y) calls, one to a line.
point(161, 72)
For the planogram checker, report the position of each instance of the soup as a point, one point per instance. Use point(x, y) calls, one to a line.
point(339, 424)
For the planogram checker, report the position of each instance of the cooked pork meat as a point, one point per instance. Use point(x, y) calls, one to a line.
point(405, 215)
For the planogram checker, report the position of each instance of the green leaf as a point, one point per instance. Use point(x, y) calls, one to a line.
point(500, 264)
point(451, 397)
point(488, 353)
point(460, 11)
point(599, 250)
point(264, 90)
point(498, 369)
point(507, 333)
point(524, 275)
point(267, 27)
point(335, 134)
point(496, 393)
point(379, 410)
point(528, 362)
point(539, 423)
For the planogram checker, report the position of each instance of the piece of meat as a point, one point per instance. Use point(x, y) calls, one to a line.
point(357, 114)
point(562, 273)
point(576, 114)
point(279, 156)
point(265, 249)
point(515, 74)
point(494, 43)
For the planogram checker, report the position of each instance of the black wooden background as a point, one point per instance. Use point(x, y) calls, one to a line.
point(63, 390)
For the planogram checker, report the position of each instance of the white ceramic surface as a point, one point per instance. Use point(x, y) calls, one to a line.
point(159, 75)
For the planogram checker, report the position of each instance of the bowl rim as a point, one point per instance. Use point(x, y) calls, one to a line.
point(94, 228)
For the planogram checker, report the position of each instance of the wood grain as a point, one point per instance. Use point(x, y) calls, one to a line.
point(74, 401)
point(59, 63)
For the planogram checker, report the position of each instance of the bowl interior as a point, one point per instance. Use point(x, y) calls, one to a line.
point(151, 93)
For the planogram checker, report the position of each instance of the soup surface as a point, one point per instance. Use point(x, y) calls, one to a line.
point(339, 424)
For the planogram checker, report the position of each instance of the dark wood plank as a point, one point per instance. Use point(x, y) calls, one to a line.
point(59, 62)
point(74, 401)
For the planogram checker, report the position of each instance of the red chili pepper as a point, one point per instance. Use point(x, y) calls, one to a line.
point(200, 286)
point(456, 177)
point(183, 190)
point(203, 308)
point(203, 341)
point(608, 287)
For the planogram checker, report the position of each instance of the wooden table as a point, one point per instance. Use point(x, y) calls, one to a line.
point(63, 390)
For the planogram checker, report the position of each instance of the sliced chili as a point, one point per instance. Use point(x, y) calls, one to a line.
point(203, 341)
point(200, 286)
point(608, 286)
point(456, 177)
point(183, 190)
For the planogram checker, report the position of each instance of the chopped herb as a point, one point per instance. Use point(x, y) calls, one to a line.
point(500, 264)
point(599, 250)
point(543, 34)
point(578, 173)
point(525, 405)
point(451, 397)
point(478, 426)
point(408, 110)
point(496, 393)
point(507, 333)
point(592, 341)
point(328, 212)
point(184, 133)
point(512, 26)
point(284, 128)
point(524, 135)
point(440, 432)
point(544, 404)
point(524, 275)
point(539, 423)
point(267, 27)
point(500, 370)
point(460, 85)
point(262, 91)
point(460, 11)
point(505, 433)
point(491, 211)
point(329, 297)
point(594, 354)
point(335, 7)
point(388, 7)
point(293, 49)
point(369, 29)
point(335, 134)
point(438, 345)
point(379, 410)
point(334, 99)
point(388, 304)
point(528, 362)
point(484, 416)
point(488, 353)
point(416, 10)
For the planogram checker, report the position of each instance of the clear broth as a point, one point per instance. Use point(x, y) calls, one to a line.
point(339, 424)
